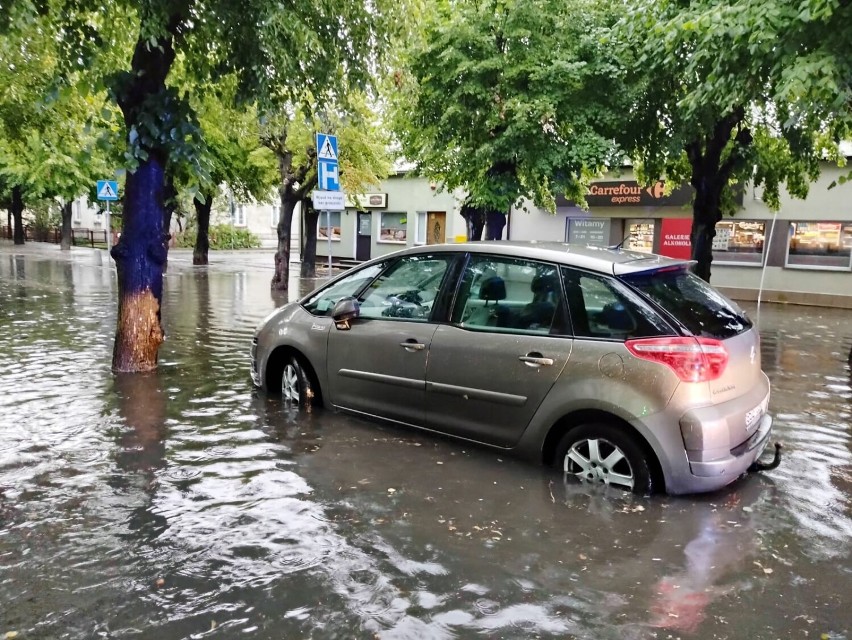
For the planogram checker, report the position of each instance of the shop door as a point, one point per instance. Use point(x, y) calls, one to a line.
point(436, 227)
point(364, 237)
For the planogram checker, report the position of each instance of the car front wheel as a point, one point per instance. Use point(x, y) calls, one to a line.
point(296, 385)
point(605, 454)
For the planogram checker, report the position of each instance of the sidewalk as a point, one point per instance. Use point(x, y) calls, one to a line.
point(179, 259)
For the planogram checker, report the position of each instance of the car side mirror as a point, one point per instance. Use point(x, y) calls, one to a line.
point(344, 311)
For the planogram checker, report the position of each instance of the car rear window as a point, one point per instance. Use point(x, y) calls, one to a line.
point(691, 301)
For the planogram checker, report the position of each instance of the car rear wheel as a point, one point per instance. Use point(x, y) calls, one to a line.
point(606, 454)
point(296, 385)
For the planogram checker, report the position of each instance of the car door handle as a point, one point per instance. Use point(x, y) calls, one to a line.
point(535, 360)
point(412, 346)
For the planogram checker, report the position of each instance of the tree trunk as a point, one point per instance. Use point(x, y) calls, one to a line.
point(9, 222)
point(202, 238)
point(475, 218)
point(495, 221)
point(309, 257)
point(710, 174)
point(18, 214)
point(280, 278)
point(65, 236)
point(705, 214)
point(139, 257)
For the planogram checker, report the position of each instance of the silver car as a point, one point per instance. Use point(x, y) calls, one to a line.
point(613, 366)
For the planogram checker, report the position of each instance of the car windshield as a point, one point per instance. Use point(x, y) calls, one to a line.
point(321, 302)
point(693, 302)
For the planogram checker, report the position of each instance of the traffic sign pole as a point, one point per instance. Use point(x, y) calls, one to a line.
point(107, 190)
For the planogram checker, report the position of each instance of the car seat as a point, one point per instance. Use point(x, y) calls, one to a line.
point(538, 314)
point(492, 289)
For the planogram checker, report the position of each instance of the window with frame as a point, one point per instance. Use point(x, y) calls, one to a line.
point(393, 227)
point(77, 211)
point(601, 307)
point(329, 223)
point(420, 228)
point(407, 289)
point(238, 218)
point(739, 242)
point(322, 302)
point(510, 295)
point(820, 245)
point(640, 236)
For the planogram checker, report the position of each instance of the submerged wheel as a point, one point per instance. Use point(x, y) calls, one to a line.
point(605, 454)
point(296, 385)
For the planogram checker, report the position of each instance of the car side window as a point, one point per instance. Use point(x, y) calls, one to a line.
point(601, 307)
point(321, 303)
point(510, 295)
point(407, 289)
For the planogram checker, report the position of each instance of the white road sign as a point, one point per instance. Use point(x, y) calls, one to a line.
point(329, 200)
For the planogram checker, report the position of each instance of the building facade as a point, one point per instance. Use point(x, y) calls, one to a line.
point(800, 254)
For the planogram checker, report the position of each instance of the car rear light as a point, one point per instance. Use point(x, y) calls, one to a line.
point(692, 359)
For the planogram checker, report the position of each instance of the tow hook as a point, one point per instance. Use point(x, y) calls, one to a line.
point(757, 465)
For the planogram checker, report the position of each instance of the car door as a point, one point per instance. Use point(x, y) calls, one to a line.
point(378, 365)
point(493, 364)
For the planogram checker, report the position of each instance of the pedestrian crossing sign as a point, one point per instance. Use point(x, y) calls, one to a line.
point(326, 147)
point(107, 190)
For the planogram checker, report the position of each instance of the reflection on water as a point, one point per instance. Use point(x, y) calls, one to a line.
point(184, 504)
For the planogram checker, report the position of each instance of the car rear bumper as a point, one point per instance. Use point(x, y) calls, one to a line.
point(720, 442)
point(732, 466)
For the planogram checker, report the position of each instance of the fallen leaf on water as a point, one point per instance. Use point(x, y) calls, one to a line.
point(11, 634)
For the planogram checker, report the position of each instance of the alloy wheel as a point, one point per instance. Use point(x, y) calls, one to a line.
point(290, 388)
point(598, 460)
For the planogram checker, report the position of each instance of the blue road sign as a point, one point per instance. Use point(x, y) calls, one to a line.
point(328, 174)
point(107, 190)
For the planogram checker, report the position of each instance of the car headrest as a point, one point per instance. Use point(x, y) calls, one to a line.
point(493, 288)
point(543, 284)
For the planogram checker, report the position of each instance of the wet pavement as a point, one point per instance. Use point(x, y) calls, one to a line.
point(185, 504)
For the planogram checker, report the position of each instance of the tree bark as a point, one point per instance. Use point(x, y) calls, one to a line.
point(475, 218)
point(289, 200)
point(309, 257)
point(202, 238)
point(140, 255)
point(710, 175)
point(705, 215)
point(18, 214)
point(495, 222)
point(65, 235)
point(296, 183)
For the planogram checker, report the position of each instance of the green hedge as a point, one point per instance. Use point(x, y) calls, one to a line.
point(221, 236)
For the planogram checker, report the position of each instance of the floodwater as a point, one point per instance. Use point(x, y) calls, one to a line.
point(185, 504)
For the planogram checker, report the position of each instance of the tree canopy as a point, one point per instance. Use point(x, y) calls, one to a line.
point(511, 98)
point(720, 100)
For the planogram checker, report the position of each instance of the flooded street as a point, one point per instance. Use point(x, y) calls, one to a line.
point(186, 504)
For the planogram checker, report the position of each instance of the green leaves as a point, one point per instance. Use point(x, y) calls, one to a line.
point(511, 99)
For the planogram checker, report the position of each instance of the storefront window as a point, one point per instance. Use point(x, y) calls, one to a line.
point(739, 242)
point(640, 235)
point(394, 227)
point(329, 219)
point(820, 245)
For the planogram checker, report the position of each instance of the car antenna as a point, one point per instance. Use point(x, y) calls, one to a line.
point(618, 246)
